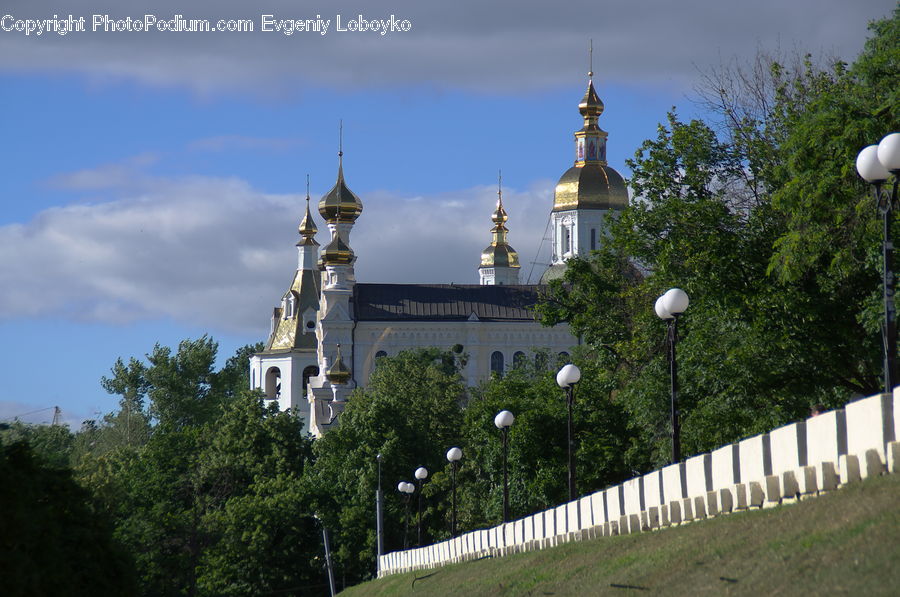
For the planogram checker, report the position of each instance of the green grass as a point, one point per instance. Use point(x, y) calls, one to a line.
point(846, 542)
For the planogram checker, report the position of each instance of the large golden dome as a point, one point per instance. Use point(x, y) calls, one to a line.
point(590, 186)
point(340, 204)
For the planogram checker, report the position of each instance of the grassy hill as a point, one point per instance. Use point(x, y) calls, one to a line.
point(846, 542)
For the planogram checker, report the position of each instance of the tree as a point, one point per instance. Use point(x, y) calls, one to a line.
point(759, 216)
point(537, 460)
point(52, 539)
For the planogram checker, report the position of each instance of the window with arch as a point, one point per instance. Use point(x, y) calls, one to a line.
point(519, 360)
point(497, 363)
point(273, 384)
point(540, 361)
point(380, 354)
point(311, 371)
point(593, 239)
point(563, 357)
point(566, 240)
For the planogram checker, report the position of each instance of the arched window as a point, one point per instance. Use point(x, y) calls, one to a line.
point(380, 354)
point(540, 361)
point(566, 240)
point(311, 371)
point(593, 239)
point(497, 363)
point(563, 358)
point(519, 360)
point(273, 384)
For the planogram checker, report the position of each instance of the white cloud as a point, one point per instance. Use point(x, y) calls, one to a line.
point(474, 45)
point(217, 253)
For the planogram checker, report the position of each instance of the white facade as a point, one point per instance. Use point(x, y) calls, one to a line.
point(479, 339)
point(576, 232)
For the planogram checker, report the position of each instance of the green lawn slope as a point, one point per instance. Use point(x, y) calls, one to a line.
point(846, 542)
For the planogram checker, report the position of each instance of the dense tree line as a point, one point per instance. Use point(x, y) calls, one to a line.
point(195, 485)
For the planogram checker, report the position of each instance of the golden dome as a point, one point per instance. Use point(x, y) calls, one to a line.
point(307, 227)
point(499, 256)
point(590, 186)
point(590, 104)
point(338, 373)
point(499, 253)
point(337, 252)
point(340, 204)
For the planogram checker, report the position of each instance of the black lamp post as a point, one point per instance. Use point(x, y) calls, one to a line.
point(875, 164)
point(567, 377)
point(668, 307)
point(502, 421)
point(453, 456)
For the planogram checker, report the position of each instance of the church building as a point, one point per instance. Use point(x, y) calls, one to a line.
point(329, 330)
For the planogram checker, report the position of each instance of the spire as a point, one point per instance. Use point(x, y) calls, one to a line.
point(590, 141)
point(590, 106)
point(499, 217)
point(340, 204)
point(307, 227)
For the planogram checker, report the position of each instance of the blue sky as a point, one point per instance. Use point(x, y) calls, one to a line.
point(152, 182)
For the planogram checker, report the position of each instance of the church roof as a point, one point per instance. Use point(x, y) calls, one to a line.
point(444, 302)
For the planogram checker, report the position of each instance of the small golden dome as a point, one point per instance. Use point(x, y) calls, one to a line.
point(338, 373)
point(591, 186)
point(307, 227)
point(591, 103)
point(340, 204)
point(499, 253)
point(337, 252)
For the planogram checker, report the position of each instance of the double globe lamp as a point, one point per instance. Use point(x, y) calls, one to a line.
point(876, 164)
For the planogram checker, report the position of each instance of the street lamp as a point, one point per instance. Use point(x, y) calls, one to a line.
point(503, 420)
point(379, 516)
point(421, 474)
point(668, 307)
point(453, 456)
point(567, 377)
point(406, 489)
point(875, 164)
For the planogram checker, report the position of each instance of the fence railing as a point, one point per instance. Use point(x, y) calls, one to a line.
point(792, 462)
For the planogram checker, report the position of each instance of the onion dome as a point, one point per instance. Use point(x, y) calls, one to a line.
point(307, 227)
point(590, 183)
point(499, 253)
point(338, 373)
point(337, 252)
point(340, 204)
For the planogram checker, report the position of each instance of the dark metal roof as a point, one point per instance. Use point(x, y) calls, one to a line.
point(443, 302)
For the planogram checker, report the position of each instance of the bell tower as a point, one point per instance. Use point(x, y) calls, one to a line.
point(587, 193)
point(287, 363)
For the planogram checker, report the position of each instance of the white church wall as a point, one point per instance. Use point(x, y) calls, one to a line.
point(479, 340)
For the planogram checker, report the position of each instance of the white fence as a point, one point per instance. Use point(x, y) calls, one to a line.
point(791, 462)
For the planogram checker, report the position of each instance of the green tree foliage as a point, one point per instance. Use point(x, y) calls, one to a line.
point(759, 215)
point(52, 539)
point(202, 479)
point(410, 413)
point(52, 443)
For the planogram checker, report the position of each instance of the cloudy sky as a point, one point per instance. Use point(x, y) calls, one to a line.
point(153, 180)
